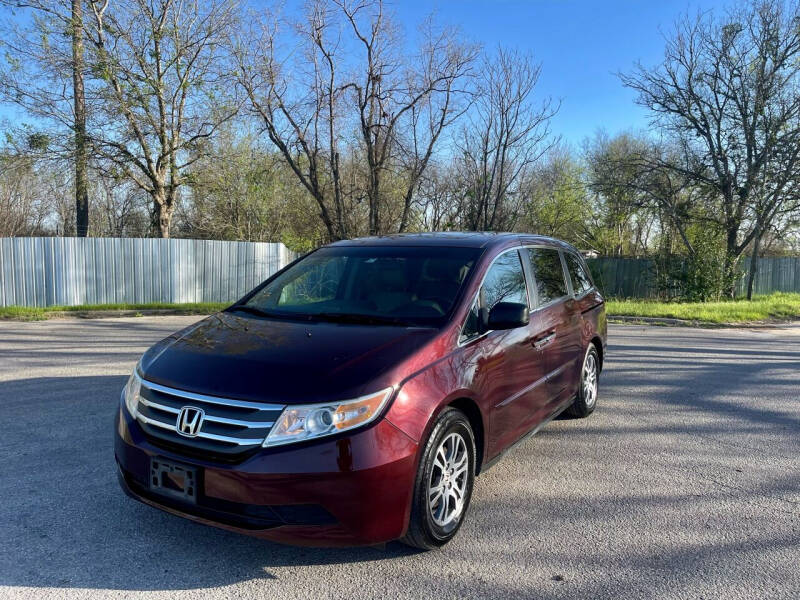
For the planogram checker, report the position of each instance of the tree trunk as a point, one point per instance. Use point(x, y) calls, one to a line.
point(753, 263)
point(334, 233)
point(406, 209)
point(79, 100)
point(162, 212)
point(731, 260)
point(374, 205)
point(163, 220)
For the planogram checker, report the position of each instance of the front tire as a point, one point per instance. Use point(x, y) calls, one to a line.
point(586, 399)
point(443, 486)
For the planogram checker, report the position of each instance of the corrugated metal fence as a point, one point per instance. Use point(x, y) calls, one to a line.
point(48, 271)
point(636, 277)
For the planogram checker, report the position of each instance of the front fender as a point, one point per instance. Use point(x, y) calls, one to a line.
point(426, 393)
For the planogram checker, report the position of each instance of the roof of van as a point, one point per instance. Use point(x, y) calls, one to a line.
point(469, 239)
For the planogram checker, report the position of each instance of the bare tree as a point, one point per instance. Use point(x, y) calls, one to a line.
point(390, 90)
point(448, 73)
point(119, 208)
point(355, 78)
point(771, 205)
point(726, 92)
point(507, 132)
point(161, 91)
point(22, 208)
point(440, 196)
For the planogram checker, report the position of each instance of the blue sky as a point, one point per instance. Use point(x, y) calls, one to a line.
point(581, 44)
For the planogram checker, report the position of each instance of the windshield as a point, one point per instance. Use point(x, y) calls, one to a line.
point(379, 284)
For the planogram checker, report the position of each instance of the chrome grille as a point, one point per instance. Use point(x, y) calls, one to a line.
point(229, 426)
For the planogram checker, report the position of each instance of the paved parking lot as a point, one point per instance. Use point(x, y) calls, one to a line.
point(685, 483)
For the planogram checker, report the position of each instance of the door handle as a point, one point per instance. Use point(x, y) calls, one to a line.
point(542, 341)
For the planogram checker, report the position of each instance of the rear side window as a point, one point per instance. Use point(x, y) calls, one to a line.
point(505, 281)
point(581, 282)
point(548, 273)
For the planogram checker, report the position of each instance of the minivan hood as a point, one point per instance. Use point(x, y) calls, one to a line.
point(281, 361)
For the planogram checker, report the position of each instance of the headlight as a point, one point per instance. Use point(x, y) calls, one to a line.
point(310, 421)
point(132, 392)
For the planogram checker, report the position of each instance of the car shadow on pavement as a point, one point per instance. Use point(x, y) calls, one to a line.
point(715, 386)
point(66, 523)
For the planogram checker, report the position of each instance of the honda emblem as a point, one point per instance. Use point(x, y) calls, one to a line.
point(190, 419)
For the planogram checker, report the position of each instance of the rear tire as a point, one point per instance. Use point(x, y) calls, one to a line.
point(444, 481)
point(586, 399)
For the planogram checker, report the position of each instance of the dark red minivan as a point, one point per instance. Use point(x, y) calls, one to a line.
point(353, 397)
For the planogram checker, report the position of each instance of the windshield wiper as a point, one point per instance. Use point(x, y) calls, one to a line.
point(253, 310)
point(357, 318)
point(326, 316)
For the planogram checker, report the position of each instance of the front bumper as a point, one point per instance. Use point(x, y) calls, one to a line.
point(350, 490)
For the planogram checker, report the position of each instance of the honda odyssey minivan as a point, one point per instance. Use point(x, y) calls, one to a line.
point(354, 396)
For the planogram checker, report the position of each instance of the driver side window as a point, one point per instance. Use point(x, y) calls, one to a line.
point(505, 281)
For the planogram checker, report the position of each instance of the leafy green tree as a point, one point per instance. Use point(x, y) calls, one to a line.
point(556, 199)
point(240, 191)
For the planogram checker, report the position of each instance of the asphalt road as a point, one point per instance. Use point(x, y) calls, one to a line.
point(685, 483)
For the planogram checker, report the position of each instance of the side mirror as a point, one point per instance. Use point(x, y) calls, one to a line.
point(508, 315)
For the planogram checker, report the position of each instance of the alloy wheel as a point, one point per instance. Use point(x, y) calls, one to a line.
point(448, 481)
point(590, 379)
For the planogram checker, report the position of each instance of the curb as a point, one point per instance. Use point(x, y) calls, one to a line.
point(102, 314)
point(146, 312)
point(672, 322)
point(108, 314)
point(656, 321)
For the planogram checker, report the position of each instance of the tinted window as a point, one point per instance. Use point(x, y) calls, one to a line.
point(505, 281)
point(549, 274)
point(581, 283)
point(472, 324)
point(414, 285)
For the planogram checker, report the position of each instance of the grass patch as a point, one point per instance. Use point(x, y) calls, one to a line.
point(780, 305)
point(27, 313)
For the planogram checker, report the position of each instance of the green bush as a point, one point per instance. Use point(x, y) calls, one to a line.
point(699, 277)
